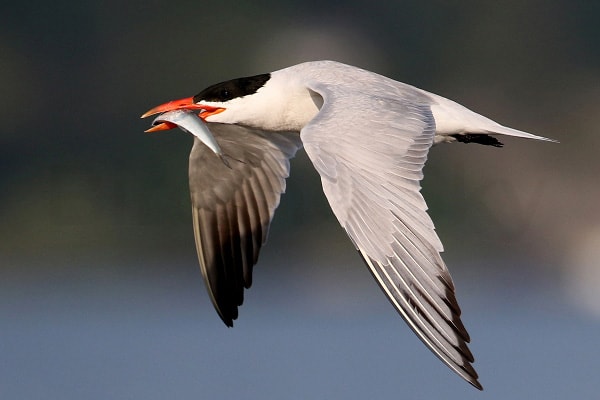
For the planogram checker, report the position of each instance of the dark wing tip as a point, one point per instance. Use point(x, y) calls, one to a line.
point(420, 315)
point(471, 375)
point(227, 312)
point(228, 321)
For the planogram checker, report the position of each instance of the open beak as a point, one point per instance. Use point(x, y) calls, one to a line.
point(181, 104)
point(163, 126)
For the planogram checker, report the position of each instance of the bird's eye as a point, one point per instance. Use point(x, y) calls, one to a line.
point(225, 94)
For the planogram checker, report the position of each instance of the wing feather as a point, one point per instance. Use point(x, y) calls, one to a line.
point(371, 169)
point(232, 206)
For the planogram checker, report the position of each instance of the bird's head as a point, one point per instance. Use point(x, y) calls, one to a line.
point(267, 101)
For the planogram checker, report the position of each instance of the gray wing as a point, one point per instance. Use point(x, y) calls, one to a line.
point(370, 153)
point(232, 206)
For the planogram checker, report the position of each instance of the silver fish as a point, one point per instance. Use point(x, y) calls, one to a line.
point(188, 121)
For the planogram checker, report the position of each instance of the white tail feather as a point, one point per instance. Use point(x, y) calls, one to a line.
point(503, 130)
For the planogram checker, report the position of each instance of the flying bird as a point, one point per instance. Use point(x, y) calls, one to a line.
point(368, 137)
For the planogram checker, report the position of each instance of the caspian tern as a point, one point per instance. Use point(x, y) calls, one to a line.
point(368, 137)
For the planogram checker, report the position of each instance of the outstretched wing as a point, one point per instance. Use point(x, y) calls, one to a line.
point(232, 206)
point(370, 153)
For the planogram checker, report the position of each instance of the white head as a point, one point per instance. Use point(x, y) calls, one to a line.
point(274, 102)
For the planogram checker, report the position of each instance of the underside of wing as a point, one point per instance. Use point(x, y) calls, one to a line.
point(233, 204)
point(370, 153)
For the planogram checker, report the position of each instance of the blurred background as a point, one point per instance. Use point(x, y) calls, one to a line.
point(100, 293)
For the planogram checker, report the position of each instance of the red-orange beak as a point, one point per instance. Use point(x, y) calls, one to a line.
point(182, 104)
point(185, 104)
point(163, 126)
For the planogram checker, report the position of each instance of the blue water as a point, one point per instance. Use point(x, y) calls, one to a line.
point(112, 335)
